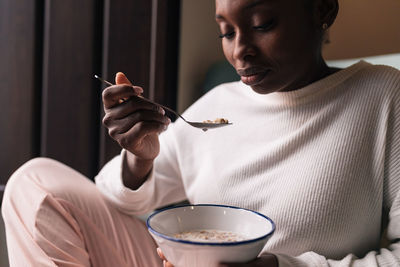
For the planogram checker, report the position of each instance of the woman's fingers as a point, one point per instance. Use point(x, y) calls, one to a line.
point(121, 126)
point(165, 262)
point(266, 260)
point(120, 78)
point(134, 104)
point(113, 94)
point(119, 93)
point(131, 120)
point(160, 254)
point(140, 130)
point(142, 139)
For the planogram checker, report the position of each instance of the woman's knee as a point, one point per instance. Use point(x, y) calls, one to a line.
point(19, 178)
point(19, 190)
point(43, 176)
point(31, 171)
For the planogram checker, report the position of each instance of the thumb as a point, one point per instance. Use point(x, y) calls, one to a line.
point(120, 78)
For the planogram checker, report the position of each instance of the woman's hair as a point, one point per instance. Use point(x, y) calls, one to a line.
point(309, 4)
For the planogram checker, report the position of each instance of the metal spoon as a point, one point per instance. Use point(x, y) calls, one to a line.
point(202, 125)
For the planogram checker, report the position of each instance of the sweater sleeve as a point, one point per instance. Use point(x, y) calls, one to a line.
point(163, 186)
point(389, 256)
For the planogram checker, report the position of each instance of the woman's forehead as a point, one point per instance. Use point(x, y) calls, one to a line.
point(260, 1)
point(225, 7)
point(229, 5)
point(248, 3)
point(241, 5)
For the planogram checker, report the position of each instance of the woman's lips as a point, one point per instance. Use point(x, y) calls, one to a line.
point(252, 76)
point(253, 79)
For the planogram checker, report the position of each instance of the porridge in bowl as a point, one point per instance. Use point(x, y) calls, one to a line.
point(210, 236)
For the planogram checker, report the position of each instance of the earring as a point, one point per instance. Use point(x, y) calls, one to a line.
point(325, 33)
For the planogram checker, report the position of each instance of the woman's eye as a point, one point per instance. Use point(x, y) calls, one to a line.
point(228, 35)
point(265, 27)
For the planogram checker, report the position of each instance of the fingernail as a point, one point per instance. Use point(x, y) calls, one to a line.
point(159, 252)
point(161, 110)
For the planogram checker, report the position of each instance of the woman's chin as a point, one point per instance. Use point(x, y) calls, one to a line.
point(269, 85)
point(261, 83)
point(265, 88)
point(262, 90)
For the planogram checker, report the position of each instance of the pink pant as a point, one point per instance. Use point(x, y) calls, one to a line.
point(54, 216)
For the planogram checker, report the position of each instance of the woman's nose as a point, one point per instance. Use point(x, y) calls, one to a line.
point(244, 47)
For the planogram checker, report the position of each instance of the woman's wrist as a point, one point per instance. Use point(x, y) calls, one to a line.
point(135, 171)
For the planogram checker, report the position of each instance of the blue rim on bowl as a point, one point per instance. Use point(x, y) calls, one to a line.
point(209, 243)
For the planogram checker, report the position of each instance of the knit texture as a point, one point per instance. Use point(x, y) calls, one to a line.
point(323, 162)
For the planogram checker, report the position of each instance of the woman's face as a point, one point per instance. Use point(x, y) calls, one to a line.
point(273, 44)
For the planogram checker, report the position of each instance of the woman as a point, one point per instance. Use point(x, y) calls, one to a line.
point(314, 148)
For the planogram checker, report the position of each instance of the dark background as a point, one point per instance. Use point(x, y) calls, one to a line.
point(50, 50)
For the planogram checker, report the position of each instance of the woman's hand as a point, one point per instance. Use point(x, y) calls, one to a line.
point(266, 260)
point(134, 123)
point(165, 262)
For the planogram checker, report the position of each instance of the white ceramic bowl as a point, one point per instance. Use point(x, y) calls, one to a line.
point(164, 224)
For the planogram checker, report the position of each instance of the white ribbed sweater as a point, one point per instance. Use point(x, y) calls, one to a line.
point(323, 162)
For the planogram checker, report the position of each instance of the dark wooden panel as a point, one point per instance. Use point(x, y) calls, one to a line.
point(18, 119)
point(70, 99)
point(164, 51)
point(126, 48)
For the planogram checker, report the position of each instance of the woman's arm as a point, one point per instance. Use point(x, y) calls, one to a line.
point(128, 180)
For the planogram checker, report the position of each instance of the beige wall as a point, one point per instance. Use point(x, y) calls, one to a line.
point(363, 28)
point(199, 48)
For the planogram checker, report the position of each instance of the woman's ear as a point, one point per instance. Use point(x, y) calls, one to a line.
point(325, 12)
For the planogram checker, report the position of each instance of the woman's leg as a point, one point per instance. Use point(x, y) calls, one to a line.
point(54, 216)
